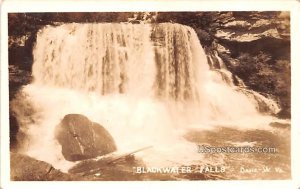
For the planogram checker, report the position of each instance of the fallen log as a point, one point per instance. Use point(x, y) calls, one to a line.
point(128, 154)
point(91, 166)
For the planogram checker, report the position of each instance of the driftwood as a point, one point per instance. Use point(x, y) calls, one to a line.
point(128, 154)
point(90, 167)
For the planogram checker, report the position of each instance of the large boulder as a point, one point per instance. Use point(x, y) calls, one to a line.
point(25, 168)
point(82, 139)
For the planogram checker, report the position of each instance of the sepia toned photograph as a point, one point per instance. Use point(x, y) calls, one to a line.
point(149, 96)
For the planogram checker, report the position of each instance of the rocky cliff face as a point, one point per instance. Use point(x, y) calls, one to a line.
point(256, 47)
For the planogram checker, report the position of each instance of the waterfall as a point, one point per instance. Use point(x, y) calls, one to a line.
point(101, 58)
point(178, 62)
point(262, 103)
point(119, 58)
point(145, 83)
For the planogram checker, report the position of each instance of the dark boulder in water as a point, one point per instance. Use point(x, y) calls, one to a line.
point(25, 168)
point(82, 139)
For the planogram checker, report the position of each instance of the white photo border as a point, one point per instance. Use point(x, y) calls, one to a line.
point(13, 6)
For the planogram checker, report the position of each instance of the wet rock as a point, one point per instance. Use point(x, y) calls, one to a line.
point(13, 130)
point(25, 168)
point(82, 139)
point(280, 125)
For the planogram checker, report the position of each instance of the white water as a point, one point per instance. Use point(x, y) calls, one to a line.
point(145, 84)
point(224, 76)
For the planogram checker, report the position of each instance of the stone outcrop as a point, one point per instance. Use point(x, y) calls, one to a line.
point(25, 168)
point(257, 49)
point(82, 139)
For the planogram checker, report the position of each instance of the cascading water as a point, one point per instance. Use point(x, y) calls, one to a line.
point(147, 84)
point(262, 103)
